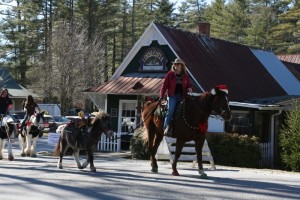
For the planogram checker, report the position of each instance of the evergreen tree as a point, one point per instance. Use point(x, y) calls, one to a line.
point(262, 18)
point(193, 12)
point(289, 139)
point(235, 22)
point(285, 35)
point(215, 16)
point(164, 12)
point(22, 30)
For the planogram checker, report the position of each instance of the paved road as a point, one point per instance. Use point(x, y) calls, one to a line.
point(120, 178)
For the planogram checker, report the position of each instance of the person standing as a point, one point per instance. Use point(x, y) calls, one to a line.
point(5, 102)
point(30, 106)
point(176, 83)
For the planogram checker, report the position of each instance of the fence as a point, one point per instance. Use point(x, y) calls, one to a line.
point(106, 144)
point(265, 150)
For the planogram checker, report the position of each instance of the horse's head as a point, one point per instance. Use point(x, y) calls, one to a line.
point(220, 103)
point(104, 124)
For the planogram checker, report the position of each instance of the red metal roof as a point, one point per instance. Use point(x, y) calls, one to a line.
point(213, 61)
point(292, 58)
point(129, 85)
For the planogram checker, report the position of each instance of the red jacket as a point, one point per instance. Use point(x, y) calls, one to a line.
point(170, 84)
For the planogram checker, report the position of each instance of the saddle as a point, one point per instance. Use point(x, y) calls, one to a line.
point(80, 124)
point(162, 109)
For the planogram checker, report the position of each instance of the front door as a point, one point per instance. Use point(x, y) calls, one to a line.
point(127, 121)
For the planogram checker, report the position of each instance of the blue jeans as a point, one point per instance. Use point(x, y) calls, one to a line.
point(172, 102)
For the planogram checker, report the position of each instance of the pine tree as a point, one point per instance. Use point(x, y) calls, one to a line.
point(22, 30)
point(164, 12)
point(262, 18)
point(215, 16)
point(286, 34)
point(193, 12)
point(289, 139)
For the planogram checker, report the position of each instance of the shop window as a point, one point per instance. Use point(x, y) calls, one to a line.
point(239, 122)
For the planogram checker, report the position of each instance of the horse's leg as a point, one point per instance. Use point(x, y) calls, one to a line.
point(9, 151)
point(22, 145)
point(63, 146)
point(33, 146)
point(28, 144)
point(198, 147)
point(1, 147)
point(151, 136)
point(76, 158)
point(179, 146)
point(90, 159)
point(157, 141)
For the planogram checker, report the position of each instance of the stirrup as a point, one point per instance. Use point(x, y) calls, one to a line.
point(168, 131)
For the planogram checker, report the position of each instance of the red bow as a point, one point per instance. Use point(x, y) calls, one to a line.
point(203, 127)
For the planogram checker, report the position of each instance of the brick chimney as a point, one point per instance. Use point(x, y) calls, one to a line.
point(204, 28)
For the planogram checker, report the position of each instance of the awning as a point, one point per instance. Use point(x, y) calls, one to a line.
point(129, 85)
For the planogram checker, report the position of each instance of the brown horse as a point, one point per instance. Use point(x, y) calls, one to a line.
point(189, 123)
point(72, 136)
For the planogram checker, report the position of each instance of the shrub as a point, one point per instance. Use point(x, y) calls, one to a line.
point(138, 147)
point(232, 149)
point(289, 140)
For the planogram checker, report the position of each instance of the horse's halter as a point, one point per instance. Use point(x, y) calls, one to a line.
point(221, 110)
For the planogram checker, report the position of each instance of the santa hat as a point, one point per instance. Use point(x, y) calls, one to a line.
point(223, 88)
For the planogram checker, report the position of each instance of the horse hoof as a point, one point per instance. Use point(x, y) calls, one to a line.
point(80, 167)
point(23, 154)
point(175, 174)
point(11, 158)
point(93, 169)
point(203, 176)
point(154, 170)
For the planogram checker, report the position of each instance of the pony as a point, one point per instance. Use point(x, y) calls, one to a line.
point(8, 131)
point(30, 134)
point(77, 139)
point(190, 123)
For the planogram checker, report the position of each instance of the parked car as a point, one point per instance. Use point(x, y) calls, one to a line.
point(55, 121)
point(18, 115)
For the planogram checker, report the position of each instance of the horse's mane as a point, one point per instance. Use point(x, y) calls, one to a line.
point(99, 115)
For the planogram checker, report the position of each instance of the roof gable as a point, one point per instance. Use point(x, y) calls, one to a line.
point(14, 89)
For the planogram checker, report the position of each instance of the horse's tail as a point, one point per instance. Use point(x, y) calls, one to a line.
point(56, 151)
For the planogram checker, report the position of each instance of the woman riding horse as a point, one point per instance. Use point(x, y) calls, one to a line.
point(190, 123)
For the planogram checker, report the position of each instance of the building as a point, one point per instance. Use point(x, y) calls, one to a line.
point(16, 92)
point(260, 86)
